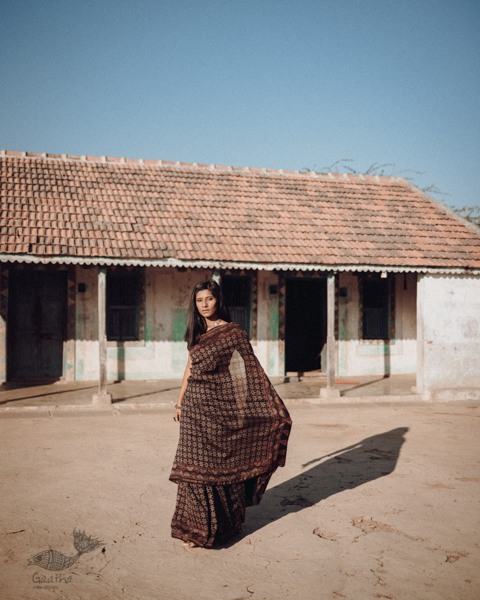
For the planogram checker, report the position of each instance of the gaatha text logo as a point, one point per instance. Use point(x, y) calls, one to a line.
point(57, 578)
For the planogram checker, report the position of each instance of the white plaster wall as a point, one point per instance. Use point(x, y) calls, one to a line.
point(449, 337)
point(162, 354)
point(375, 357)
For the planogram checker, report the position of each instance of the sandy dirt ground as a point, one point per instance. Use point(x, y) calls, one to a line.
point(376, 501)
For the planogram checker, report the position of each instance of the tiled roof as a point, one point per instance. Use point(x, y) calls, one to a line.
point(89, 209)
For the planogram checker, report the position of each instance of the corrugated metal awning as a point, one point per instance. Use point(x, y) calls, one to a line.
point(211, 264)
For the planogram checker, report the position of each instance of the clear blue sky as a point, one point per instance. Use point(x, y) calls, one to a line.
point(284, 84)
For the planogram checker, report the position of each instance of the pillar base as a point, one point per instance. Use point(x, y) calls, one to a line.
point(102, 400)
point(329, 393)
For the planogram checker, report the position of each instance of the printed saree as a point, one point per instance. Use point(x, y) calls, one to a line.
point(234, 431)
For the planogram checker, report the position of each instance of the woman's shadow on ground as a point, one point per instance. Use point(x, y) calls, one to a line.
point(344, 469)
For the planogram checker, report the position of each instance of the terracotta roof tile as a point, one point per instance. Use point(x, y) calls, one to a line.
point(103, 207)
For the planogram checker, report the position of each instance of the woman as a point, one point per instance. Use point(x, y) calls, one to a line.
point(234, 427)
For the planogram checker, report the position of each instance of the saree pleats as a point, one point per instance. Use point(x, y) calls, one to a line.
point(208, 514)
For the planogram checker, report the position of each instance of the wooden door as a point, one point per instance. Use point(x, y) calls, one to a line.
point(36, 324)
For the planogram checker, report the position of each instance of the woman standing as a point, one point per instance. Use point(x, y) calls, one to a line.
point(234, 427)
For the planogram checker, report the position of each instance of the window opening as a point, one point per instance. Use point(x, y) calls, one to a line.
point(123, 305)
point(237, 294)
point(376, 308)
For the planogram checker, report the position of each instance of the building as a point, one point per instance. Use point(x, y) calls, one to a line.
point(354, 275)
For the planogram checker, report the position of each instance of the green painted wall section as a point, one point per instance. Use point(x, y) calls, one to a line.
point(149, 329)
point(375, 349)
point(179, 323)
point(179, 349)
point(273, 325)
point(273, 320)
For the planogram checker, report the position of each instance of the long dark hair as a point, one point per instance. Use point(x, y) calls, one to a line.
point(196, 324)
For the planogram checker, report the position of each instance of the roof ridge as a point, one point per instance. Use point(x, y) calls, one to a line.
point(448, 210)
point(201, 166)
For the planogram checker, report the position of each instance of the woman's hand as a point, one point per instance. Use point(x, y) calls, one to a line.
point(178, 412)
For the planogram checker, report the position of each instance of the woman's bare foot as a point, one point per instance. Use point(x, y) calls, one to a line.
point(190, 545)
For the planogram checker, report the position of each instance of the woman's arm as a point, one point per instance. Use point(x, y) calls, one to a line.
point(186, 375)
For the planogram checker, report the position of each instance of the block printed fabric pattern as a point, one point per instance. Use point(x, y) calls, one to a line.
point(234, 430)
point(226, 437)
point(70, 208)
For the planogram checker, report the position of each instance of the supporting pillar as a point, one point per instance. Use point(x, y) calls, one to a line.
point(102, 397)
point(330, 392)
point(420, 382)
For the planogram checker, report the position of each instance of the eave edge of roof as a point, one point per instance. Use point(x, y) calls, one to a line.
point(215, 264)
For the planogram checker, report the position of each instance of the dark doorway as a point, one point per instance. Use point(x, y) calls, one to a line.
point(36, 324)
point(305, 323)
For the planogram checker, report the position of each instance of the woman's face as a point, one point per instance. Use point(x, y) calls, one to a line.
point(206, 304)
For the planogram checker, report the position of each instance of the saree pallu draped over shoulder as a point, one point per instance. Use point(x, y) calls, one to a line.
point(233, 435)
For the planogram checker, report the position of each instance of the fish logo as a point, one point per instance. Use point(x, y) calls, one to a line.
point(52, 560)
